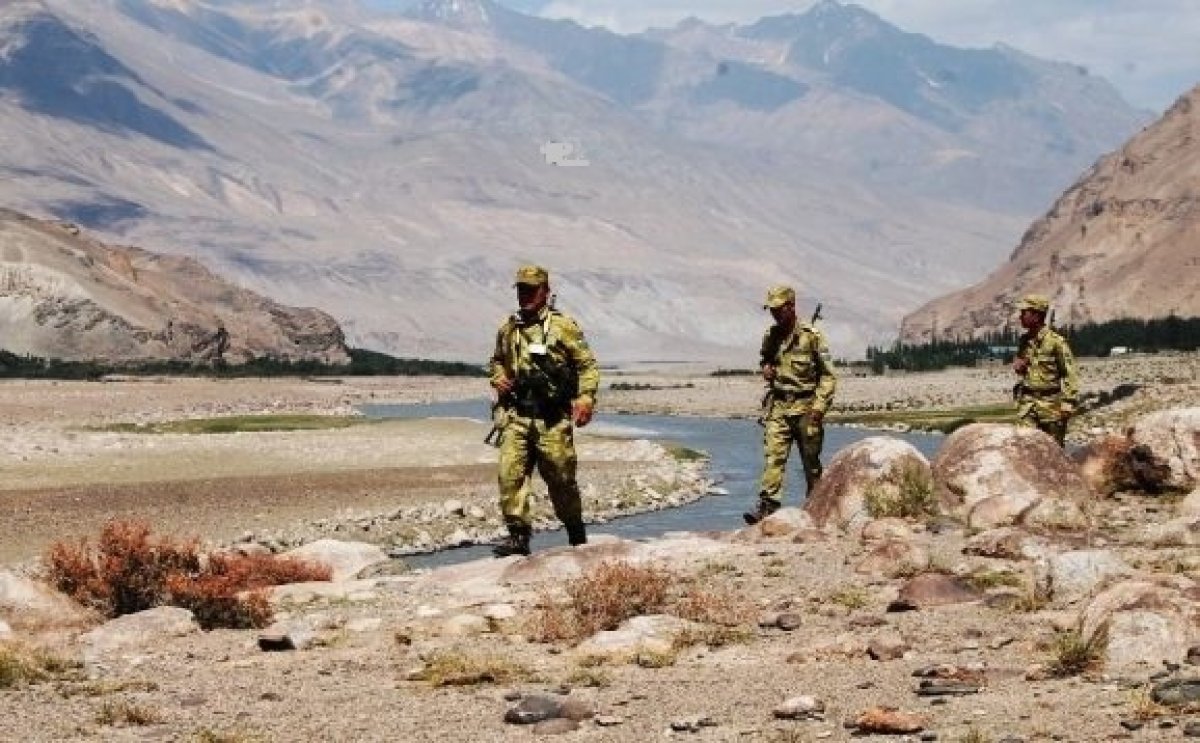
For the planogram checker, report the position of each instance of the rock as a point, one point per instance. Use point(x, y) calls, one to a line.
point(1177, 692)
point(933, 589)
point(135, 633)
point(1173, 439)
point(878, 530)
point(1108, 465)
point(532, 710)
point(1006, 542)
point(887, 645)
point(783, 522)
point(990, 474)
point(1146, 622)
point(1193, 655)
point(946, 687)
point(1073, 575)
point(789, 621)
point(800, 708)
point(894, 558)
point(1190, 506)
point(24, 601)
point(889, 721)
point(655, 633)
point(1181, 532)
point(608, 721)
point(345, 559)
point(872, 465)
point(1055, 514)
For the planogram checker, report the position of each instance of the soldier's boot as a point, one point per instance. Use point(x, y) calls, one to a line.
point(766, 507)
point(516, 543)
point(576, 534)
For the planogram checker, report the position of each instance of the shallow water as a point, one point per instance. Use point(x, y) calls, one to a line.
point(733, 445)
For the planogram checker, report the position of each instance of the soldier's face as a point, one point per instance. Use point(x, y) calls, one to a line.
point(784, 314)
point(1031, 319)
point(532, 297)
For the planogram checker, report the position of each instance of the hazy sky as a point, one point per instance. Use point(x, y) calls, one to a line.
point(1149, 49)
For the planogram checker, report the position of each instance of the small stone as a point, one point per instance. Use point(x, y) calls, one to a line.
point(608, 721)
point(799, 708)
point(532, 710)
point(685, 726)
point(929, 737)
point(788, 621)
point(1192, 729)
point(1177, 692)
point(946, 687)
point(889, 721)
point(1193, 655)
point(513, 696)
point(1132, 724)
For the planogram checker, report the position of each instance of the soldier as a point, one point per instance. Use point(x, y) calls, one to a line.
point(546, 379)
point(795, 363)
point(1049, 388)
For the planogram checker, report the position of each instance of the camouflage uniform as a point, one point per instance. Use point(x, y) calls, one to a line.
point(804, 383)
point(1049, 387)
point(552, 367)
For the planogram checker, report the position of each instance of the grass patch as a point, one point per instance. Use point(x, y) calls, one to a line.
point(684, 454)
point(125, 713)
point(986, 579)
point(593, 677)
point(905, 492)
point(239, 424)
point(208, 735)
point(974, 735)
point(20, 666)
point(944, 421)
point(458, 668)
point(1071, 654)
point(851, 597)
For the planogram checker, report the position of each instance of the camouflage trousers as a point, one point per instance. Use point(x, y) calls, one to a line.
point(530, 443)
point(1044, 414)
point(781, 429)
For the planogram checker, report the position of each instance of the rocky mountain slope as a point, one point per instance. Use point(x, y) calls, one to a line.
point(1124, 241)
point(64, 295)
point(391, 169)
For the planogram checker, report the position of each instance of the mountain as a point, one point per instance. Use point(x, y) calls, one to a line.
point(64, 295)
point(393, 169)
point(1123, 242)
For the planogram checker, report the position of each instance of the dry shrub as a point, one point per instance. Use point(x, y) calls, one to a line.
point(130, 571)
point(601, 599)
point(125, 573)
point(127, 713)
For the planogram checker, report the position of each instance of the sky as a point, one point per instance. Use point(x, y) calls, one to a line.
point(1148, 49)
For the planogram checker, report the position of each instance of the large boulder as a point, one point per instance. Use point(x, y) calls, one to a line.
point(879, 466)
point(29, 604)
point(993, 475)
point(1144, 622)
point(345, 559)
point(134, 635)
point(1173, 437)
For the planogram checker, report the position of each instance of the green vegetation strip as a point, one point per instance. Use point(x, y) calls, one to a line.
point(238, 423)
point(945, 421)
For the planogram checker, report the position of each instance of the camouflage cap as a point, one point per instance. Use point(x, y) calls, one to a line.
point(1035, 302)
point(532, 275)
point(777, 296)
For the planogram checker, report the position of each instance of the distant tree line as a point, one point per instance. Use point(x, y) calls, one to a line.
point(362, 363)
point(1172, 333)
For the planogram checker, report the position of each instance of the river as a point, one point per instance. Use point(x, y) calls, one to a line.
point(733, 445)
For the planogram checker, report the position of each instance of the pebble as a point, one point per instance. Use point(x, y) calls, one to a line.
point(532, 710)
point(608, 721)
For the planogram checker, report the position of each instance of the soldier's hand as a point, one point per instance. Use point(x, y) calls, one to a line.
point(1020, 364)
point(768, 372)
point(503, 385)
point(581, 412)
point(816, 417)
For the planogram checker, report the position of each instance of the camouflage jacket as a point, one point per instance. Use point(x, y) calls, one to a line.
point(1051, 366)
point(548, 360)
point(802, 363)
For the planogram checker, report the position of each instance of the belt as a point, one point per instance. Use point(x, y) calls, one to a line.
point(1048, 392)
point(544, 411)
point(793, 395)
